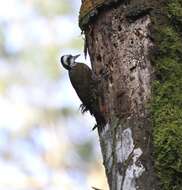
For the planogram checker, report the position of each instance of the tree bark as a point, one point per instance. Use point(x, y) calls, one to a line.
point(119, 52)
point(130, 41)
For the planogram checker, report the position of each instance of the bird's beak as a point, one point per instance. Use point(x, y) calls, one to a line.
point(76, 56)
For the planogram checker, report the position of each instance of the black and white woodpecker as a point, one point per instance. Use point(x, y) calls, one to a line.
point(84, 83)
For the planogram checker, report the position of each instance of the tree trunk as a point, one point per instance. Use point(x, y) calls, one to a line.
point(119, 43)
point(119, 56)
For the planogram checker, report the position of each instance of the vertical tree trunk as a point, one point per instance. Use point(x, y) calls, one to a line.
point(119, 55)
point(119, 43)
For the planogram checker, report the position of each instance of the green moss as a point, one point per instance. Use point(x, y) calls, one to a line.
point(175, 13)
point(167, 96)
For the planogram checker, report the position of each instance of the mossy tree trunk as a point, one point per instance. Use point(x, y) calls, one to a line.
point(136, 52)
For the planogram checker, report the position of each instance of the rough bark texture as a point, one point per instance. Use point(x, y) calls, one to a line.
point(119, 52)
point(119, 41)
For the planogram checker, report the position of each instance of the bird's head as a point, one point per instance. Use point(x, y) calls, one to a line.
point(68, 61)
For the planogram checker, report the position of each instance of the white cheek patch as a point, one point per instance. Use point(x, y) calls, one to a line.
point(65, 60)
point(72, 63)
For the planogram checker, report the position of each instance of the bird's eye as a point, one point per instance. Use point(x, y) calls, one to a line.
point(69, 60)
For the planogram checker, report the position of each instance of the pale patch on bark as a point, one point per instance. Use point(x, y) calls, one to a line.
point(134, 171)
point(127, 144)
point(105, 129)
point(125, 152)
point(107, 146)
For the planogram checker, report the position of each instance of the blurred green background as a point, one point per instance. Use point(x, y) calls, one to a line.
point(45, 143)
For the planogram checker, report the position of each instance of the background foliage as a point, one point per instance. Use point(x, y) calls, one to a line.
point(44, 141)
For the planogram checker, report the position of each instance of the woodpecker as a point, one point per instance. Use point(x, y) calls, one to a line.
point(84, 83)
